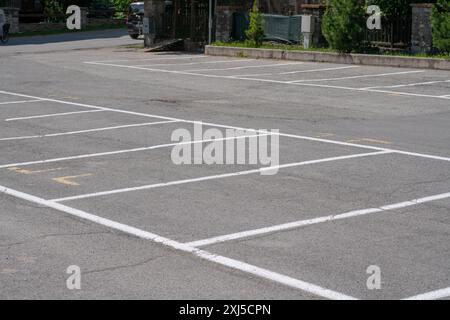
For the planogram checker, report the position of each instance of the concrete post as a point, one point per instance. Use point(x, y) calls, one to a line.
point(84, 17)
point(12, 17)
point(421, 35)
point(224, 20)
point(154, 12)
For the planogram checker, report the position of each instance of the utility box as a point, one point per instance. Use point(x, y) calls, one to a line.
point(308, 24)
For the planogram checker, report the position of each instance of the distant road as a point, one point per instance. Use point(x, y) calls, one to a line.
point(68, 41)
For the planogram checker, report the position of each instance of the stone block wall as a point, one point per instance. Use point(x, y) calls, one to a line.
point(12, 16)
point(421, 35)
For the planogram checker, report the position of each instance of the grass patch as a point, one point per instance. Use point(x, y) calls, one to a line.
point(296, 47)
point(270, 45)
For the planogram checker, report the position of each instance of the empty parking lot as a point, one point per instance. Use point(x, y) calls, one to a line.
point(87, 178)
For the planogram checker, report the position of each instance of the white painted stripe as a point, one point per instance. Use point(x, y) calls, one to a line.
point(221, 260)
point(433, 295)
point(88, 130)
point(218, 176)
point(195, 63)
point(109, 153)
point(317, 70)
point(294, 72)
point(359, 77)
point(445, 96)
point(308, 222)
point(53, 115)
point(407, 85)
point(406, 94)
point(247, 67)
point(161, 57)
point(335, 142)
point(22, 101)
point(267, 80)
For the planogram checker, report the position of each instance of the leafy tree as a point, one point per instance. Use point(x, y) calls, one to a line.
point(255, 32)
point(53, 11)
point(440, 19)
point(393, 8)
point(344, 24)
point(121, 7)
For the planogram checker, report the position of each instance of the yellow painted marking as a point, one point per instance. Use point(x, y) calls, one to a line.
point(25, 171)
point(369, 140)
point(324, 135)
point(69, 180)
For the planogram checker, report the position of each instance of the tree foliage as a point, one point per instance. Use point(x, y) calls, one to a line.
point(344, 24)
point(393, 8)
point(441, 25)
point(255, 32)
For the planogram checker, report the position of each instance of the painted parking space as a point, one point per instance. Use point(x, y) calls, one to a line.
point(336, 206)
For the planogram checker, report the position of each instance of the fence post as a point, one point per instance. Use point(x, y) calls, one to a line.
point(421, 33)
point(12, 16)
point(224, 21)
point(154, 11)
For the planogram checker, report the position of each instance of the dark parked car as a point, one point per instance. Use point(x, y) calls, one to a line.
point(135, 18)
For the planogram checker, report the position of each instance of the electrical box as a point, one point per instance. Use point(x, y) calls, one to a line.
point(308, 24)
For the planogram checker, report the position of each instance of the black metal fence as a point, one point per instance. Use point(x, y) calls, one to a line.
point(395, 33)
point(10, 3)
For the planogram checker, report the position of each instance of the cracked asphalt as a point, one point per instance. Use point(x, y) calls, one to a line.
point(38, 244)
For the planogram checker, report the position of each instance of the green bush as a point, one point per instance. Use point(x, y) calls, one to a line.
point(121, 7)
point(440, 19)
point(393, 8)
point(53, 11)
point(255, 32)
point(344, 25)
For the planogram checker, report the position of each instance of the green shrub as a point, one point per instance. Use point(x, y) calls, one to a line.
point(344, 25)
point(255, 32)
point(53, 11)
point(121, 7)
point(441, 25)
point(393, 8)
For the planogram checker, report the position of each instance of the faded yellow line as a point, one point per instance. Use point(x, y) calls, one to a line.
point(325, 135)
point(25, 171)
point(69, 180)
point(369, 140)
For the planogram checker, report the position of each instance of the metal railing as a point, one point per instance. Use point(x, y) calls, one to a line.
point(10, 3)
point(395, 33)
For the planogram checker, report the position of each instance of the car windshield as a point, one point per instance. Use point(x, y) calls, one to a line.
point(137, 8)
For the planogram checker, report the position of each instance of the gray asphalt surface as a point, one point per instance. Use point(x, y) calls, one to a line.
point(410, 243)
point(68, 41)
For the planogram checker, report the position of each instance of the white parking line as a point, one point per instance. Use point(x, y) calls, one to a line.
point(335, 142)
point(87, 131)
point(181, 57)
point(268, 81)
point(247, 67)
point(359, 77)
point(407, 85)
point(308, 222)
point(109, 153)
point(294, 72)
point(317, 70)
point(195, 63)
point(221, 260)
point(400, 93)
point(22, 101)
point(53, 115)
point(433, 295)
point(219, 176)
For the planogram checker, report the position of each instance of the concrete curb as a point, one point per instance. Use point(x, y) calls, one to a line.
point(315, 56)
